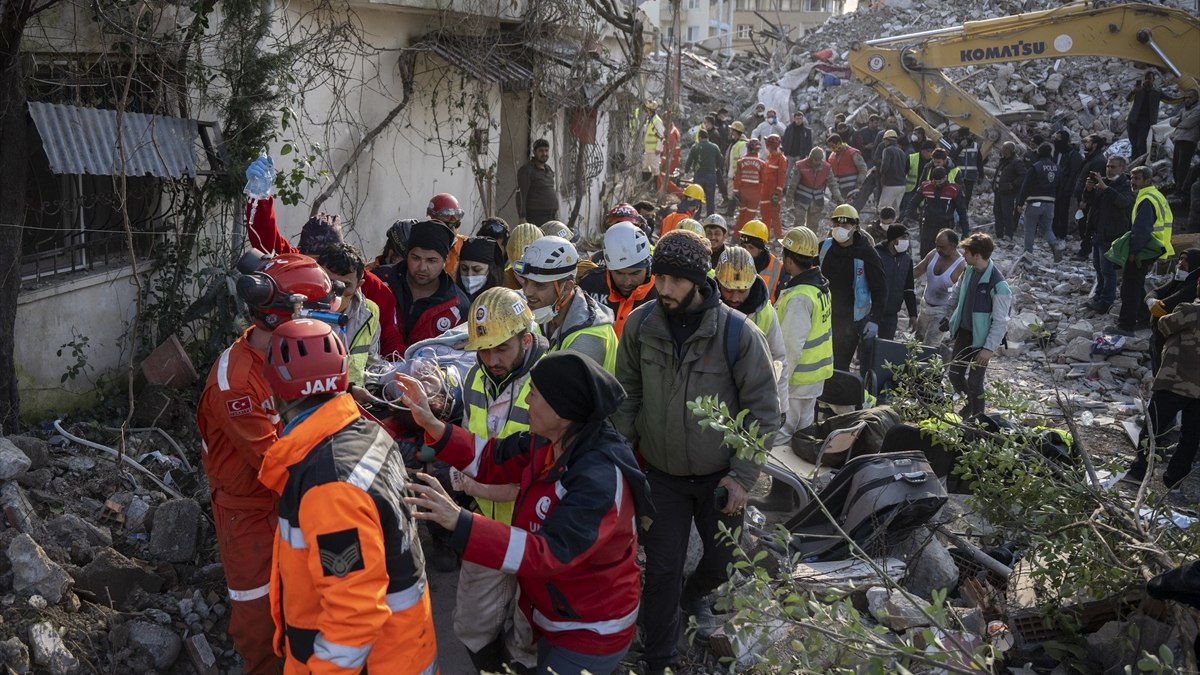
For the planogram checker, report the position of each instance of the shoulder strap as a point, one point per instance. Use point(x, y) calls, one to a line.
point(637, 327)
point(733, 336)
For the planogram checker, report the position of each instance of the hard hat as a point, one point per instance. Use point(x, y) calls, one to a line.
point(801, 241)
point(891, 133)
point(269, 286)
point(694, 191)
point(625, 245)
point(753, 145)
point(522, 235)
point(845, 211)
point(653, 105)
point(756, 229)
point(736, 270)
point(738, 127)
point(557, 228)
point(444, 207)
point(715, 220)
point(773, 141)
point(548, 259)
point(691, 225)
point(621, 213)
point(306, 357)
point(496, 315)
point(493, 227)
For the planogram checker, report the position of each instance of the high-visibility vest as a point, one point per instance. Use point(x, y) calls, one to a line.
point(862, 293)
point(810, 188)
point(844, 169)
point(360, 344)
point(475, 404)
point(736, 151)
point(816, 359)
point(1163, 218)
point(771, 275)
point(652, 135)
point(912, 177)
point(762, 317)
point(606, 333)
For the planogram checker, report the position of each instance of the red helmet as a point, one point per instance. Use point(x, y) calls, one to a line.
point(272, 286)
point(444, 207)
point(621, 213)
point(305, 358)
point(753, 145)
point(773, 141)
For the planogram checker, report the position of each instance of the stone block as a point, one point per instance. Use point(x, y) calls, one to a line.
point(37, 450)
point(110, 578)
point(930, 565)
point(35, 572)
point(895, 610)
point(175, 530)
point(49, 651)
point(70, 528)
point(147, 639)
point(201, 655)
point(16, 655)
point(13, 461)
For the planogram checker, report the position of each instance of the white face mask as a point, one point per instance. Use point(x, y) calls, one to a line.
point(913, 138)
point(544, 315)
point(1181, 275)
point(841, 234)
point(473, 282)
point(901, 246)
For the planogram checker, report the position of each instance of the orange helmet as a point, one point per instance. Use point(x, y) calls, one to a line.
point(444, 207)
point(773, 141)
point(272, 287)
point(305, 358)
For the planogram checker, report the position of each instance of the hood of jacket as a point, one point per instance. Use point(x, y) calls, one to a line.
point(583, 312)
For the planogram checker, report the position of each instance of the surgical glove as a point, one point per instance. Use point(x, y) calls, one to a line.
point(871, 330)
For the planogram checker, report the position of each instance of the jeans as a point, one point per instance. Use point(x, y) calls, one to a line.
point(891, 195)
point(1134, 312)
point(678, 502)
point(1039, 215)
point(708, 180)
point(1164, 406)
point(1106, 277)
point(1004, 208)
point(965, 375)
point(563, 661)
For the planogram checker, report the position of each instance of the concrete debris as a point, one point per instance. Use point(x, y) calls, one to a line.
point(34, 571)
point(112, 578)
point(147, 642)
point(70, 528)
point(37, 450)
point(844, 575)
point(894, 610)
point(1113, 647)
point(175, 530)
point(49, 651)
point(13, 461)
point(201, 655)
point(930, 566)
point(16, 656)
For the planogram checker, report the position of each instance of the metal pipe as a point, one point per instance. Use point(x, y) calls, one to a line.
point(976, 554)
point(913, 36)
point(1149, 40)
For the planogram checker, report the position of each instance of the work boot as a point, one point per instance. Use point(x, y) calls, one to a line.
point(490, 659)
point(1136, 472)
point(1058, 254)
point(706, 622)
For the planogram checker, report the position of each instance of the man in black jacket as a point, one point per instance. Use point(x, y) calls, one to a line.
point(1093, 161)
point(895, 256)
point(1108, 199)
point(856, 283)
point(797, 143)
point(1069, 161)
point(1010, 173)
point(1036, 200)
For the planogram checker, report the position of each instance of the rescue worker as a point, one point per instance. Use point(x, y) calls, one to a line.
point(1162, 300)
point(428, 302)
point(495, 405)
point(1152, 219)
point(979, 322)
point(522, 235)
point(443, 207)
point(856, 284)
point(940, 159)
point(343, 263)
point(918, 160)
point(813, 177)
point(704, 159)
point(1006, 182)
point(685, 345)
point(897, 263)
point(805, 311)
point(748, 183)
point(893, 170)
point(671, 159)
point(770, 125)
point(688, 207)
point(942, 267)
point(941, 205)
point(716, 230)
point(573, 542)
point(569, 318)
point(624, 282)
point(742, 289)
point(753, 237)
point(738, 144)
point(478, 267)
point(348, 586)
point(654, 133)
point(849, 167)
point(967, 155)
point(774, 182)
point(238, 422)
point(797, 142)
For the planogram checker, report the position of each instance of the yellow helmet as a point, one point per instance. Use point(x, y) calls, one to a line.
point(737, 126)
point(522, 236)
point(557, 228)
point(496, 315)
point(845, 211)
point(736, 270)
point(691, 225)
point(801, 241)
point(694, 191)
point(756, 229)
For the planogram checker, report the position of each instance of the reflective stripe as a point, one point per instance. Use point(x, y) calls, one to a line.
point(609, 627)
point(371, 462)
point(816, 358)
point(810, 367)
point(251, 594)
point(291, 535)
point(223, 370)
point(407, 598)
point(620, 490)
point(819, 340)
point(342, 656)
point(515, 551)
point(361, 349)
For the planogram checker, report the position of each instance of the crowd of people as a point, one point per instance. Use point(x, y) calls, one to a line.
point(569, 444)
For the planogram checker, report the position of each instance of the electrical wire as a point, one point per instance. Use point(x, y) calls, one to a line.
point(112, 451)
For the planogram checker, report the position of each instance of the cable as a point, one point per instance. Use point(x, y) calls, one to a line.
point(126, 458)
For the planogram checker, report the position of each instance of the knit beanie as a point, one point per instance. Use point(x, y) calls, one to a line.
point(683, 253)
point(896, 231)
point(319, 233)
point(431, 235)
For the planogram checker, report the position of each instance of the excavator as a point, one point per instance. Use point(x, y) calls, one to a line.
point(907, 70)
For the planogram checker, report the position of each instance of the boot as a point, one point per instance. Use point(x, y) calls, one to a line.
point(490, 659)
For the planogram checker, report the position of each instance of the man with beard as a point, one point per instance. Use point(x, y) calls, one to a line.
point(684, 346)
point(625, 282)
point(428, 302)
point(1093, 161)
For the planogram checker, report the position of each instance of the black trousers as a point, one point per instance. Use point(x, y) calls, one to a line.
point(847, 333)
point(1004, 208)
point(1134, 313)
point(1184, 151)
point(1164, 406)
point(678, 502)
point(966, 376)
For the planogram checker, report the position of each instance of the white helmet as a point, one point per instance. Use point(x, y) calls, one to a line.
point(547, 259)
point(625, 245)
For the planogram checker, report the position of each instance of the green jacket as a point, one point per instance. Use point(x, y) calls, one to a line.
point(1178, 372)
point(704, 156)
point(988, 308)
point(1118, 253)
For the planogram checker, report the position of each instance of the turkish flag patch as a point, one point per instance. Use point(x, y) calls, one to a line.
point(341, 552)
point(239, 406)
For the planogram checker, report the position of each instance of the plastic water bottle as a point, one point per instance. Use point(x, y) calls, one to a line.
point(259, 187)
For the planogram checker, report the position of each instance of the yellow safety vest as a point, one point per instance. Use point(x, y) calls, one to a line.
point(360, 344)
point(475, 402)
point(911, 178)
point(762, 318)
point(652, 135)
point(816, 361)
point(606, 334)
point(1163, 218)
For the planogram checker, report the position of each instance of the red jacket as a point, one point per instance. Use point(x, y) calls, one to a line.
point(572, 543)
point(423, 318)
point(748, 179)
point(264, 235)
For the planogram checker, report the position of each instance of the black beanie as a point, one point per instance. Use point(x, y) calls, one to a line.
point(431, 235)
point(479, 249)
point(576, 387)
point(896, 231)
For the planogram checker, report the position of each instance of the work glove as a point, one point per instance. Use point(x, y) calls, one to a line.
point(260, 170)
point(870, 330)
point(774, 199)
point(944, 324)
point(1157, 309)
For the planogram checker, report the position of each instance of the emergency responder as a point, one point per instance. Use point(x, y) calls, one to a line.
point(428, 302)
point(849, 167)
point(572, 543)
point(654, 133)
point(770, 125)
point(742, 289)
point(689, 330)
point(1035, 201)
point(942, 267)
point(522, 235)
point(495, 405)
point(478, 266)
point(343, 263)
point(748, 183)
point(856, 285)
point(569, 318)
point(688, 207)
point(918, 160)
point(968, 156)
point(735, 151)
point(805, 311)
point(705, 160)
point(238, 422)
point(941, 159)
point(941, 205)
point(625, 281)
point(979, 322)
point(774, 183)
point(443, 207)
point(893, 169)
point(753, 237)
point(813, 176)
point(348, 586)
point(797, 142)
point(716, 230)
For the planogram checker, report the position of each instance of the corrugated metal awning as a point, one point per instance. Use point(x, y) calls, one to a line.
point(490, 57)
point(84, 141)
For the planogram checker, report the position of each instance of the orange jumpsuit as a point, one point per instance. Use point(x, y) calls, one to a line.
point(672, 154)
point(748, 183)
point(774, 180)
point(238, 424)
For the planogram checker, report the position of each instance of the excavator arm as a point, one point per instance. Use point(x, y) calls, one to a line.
point(908, 69)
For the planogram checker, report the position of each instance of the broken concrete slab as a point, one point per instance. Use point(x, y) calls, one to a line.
point(69, 528)
point(894, 610)
point(146, 639)
point(37, 450)
point(845, 575)
point(15, 656)
point(930, 565)
point(13, 461)
point(200, 655)
point(175, 530)
point(49, 651)
point(35, 572)
point(110, 578)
